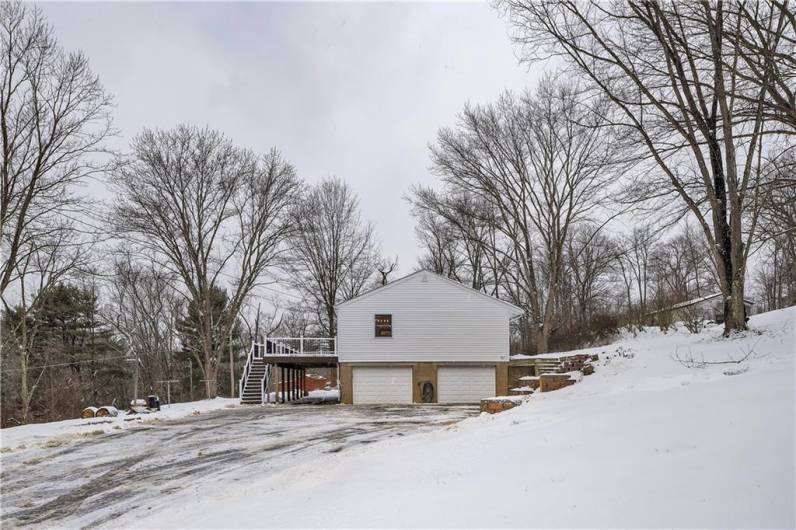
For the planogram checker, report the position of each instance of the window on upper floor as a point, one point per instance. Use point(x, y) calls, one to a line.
point(383, 325)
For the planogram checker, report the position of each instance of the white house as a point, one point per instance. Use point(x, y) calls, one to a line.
point(423, 339)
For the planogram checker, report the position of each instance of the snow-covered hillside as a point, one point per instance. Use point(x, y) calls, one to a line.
point(644, 442)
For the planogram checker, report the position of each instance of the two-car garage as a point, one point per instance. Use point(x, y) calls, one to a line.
point(455, 384)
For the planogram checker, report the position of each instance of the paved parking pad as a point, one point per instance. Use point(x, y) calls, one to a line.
point(93, 480)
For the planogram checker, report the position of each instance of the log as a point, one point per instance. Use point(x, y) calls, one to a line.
point(107, 410)
point(88, 412)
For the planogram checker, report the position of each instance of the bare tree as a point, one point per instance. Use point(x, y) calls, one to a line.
point(675, 78)
point(54, 116)
point(633, 262)
point(589, 257)
point(776, 277)
point(386, 266)
point(46, 263)
point(437, 239)
point(764, 37)
point(463, 225)
point(334, 252)
point(540, 162)
point(143, 310)
point(211, 214)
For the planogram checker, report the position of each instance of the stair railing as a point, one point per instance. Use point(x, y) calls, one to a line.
point(246, 370)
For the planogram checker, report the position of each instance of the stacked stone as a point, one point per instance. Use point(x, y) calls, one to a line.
point(495, 405)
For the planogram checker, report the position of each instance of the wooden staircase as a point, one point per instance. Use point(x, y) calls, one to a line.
point(284, 359)
point(255, 382)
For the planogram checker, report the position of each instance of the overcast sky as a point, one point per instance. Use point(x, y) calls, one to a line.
point(353, 90)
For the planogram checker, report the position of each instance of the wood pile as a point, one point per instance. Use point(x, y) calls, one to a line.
point(106, 411)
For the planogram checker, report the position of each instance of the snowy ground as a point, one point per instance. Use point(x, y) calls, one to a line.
point(647, 441)
point(58, 432)
point(82, 478)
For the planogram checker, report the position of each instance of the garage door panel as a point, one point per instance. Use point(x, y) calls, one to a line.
point(465, 384)
point(382, 385)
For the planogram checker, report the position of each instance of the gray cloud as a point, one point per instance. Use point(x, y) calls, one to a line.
point(353, 90)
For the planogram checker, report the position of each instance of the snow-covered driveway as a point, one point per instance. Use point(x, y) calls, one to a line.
point(90, 480)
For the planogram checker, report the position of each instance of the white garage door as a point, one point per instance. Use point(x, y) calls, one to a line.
point(465, 384)
point(382, 385)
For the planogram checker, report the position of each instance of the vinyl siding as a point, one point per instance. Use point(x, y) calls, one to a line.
point(431, 321)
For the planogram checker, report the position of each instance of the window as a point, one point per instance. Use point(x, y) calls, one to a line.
point(384, 325)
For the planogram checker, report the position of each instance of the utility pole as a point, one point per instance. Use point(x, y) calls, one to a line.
point(168, 388)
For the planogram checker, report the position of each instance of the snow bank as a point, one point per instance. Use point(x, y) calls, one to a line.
point(326, 395)
point(35, 434)
point(647, 441)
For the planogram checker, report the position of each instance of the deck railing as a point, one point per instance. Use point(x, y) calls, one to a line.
point(295, 346)
point(284, 347)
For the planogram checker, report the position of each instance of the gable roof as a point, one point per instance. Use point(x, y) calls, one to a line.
point(507, 305)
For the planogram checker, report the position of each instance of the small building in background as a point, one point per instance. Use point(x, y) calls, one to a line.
point(707, 308)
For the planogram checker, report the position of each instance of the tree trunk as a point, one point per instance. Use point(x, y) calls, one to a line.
point(542, 338)
point(209, 368)
point(25, 393)
point(332, 321)
point(210, 381)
